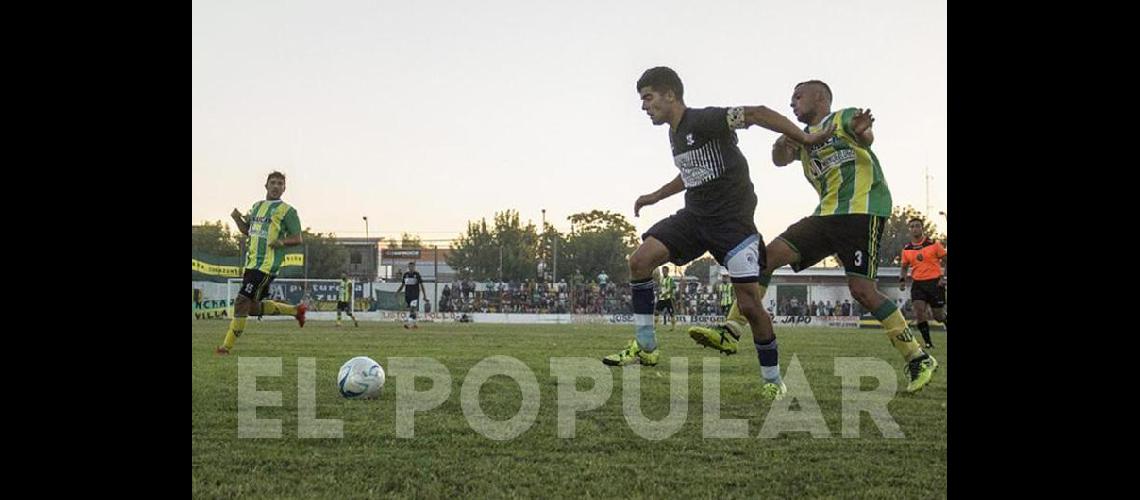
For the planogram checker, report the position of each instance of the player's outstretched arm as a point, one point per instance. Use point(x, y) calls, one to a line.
point(771, 120)
point(239, 219)
point(673, 187)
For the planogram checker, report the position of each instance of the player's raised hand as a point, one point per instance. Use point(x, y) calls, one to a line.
point(642, 201)
point(862, 121)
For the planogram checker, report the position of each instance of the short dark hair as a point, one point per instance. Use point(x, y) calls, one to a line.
point(662, 79)
point(275, 174)
point(817, 82)
point(920, 221)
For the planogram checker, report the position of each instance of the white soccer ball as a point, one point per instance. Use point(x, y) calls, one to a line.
point(360, 378)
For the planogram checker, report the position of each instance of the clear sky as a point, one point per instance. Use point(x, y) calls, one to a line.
point(424, 115)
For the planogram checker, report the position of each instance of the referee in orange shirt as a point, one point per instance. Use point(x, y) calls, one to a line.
point(927, 257)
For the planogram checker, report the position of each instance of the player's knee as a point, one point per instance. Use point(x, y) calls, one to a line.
point(640, 265)
point(778, 254)
point(748, 301)
point(751, 310)
point(745, 303)
point(646, 258)
point(747, 292)
point(863, 291)
point(242, 305)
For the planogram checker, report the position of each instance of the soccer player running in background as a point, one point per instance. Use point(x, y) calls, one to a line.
point(665, 298)
point(927, 257)
point(271, 225)
point(720, 204)
point(415, 284)
point(344, 302)
point(725, 293)
point(854, 204)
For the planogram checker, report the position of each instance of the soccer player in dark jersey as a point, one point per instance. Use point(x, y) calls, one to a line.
point(854, 204)
point(344, 302)
point(926, 256)
point(270, 225)
point(718, 215)
point(415, 284)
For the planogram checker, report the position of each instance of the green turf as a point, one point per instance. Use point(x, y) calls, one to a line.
point(604, 459)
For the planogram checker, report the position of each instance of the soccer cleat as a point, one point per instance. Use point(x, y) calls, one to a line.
point(632, 354)
point(355, 323)
point(648, 358)
point(221, 350)
point(301, 308)
point(406, 327)
point(773, 392)
point(718, 337)
point(920, 370)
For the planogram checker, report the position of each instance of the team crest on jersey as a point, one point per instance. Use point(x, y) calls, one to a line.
point(919, 257)
point(689, 139)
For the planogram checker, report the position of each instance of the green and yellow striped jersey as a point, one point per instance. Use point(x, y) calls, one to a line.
point(668, 288)
point(727, 293)
point(269, 220)
point(345, 290)
point(847, 176)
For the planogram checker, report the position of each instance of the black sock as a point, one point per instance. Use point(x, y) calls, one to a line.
point(924, 327)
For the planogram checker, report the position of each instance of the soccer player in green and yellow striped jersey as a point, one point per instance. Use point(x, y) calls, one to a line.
point(271, 225)
point(725, 292)
point(344, 301)
point(854, 204)
point(665, 296)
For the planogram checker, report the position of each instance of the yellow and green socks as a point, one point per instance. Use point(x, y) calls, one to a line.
point(237, 325)
point(894, 325)
point(271, 308)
